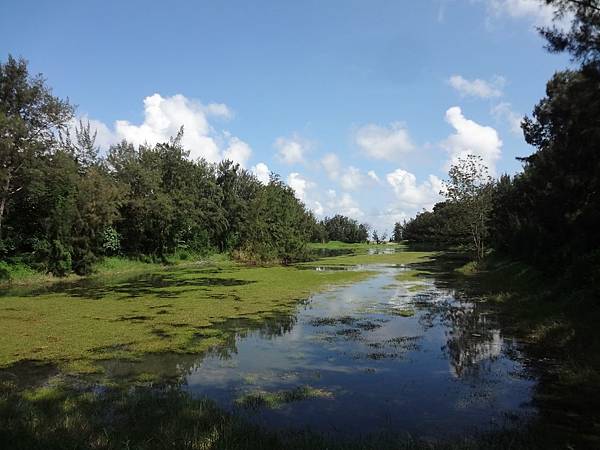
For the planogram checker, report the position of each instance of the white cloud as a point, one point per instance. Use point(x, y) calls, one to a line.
point(218, 110)
point(291, 150)
point(351, 179)
point(388, 143)
point(262, 172)
point(412, 196)
point(343, 204)
point(535, 10)
point(163, 117)
point(318, 209)
point(503, 112)
point(373, 176)
point(299, 184)
point(326, 203)
point(331, 164)
point(471, 138)
point(237, 151)
point(477, 87)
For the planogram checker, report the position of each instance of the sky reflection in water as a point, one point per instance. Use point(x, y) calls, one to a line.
point(397, 356)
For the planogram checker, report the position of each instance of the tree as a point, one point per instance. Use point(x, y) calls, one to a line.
point(376, 237)
point(549, 214)
point(363, 232)
point(469, 188)
point(83, 147)
point(29, 117)
point(278, 224)
point(582, 40)
point(344, 229)
point(397, 234)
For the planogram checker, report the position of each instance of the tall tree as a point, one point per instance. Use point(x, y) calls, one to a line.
point(582, 39)
point(469, 188)
point(29, 119)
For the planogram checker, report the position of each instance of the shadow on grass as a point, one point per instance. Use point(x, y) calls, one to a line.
point(169, 284)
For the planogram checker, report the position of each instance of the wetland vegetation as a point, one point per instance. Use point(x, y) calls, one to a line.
point(151, 301)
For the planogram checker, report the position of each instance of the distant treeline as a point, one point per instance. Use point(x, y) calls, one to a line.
point(549, 214)
point(340, 228)
point(63, 205)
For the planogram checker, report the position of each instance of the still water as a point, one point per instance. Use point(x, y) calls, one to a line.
point(402, 356)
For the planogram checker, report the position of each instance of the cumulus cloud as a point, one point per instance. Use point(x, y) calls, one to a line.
point(388, 143)
point(164, 116)
point(471, 138)
point(262, 172)
point(332, 165)
point(291, 150)
point(351, 179)
point(477, 87)
point(318, 209)
point(412, 196)
point(503, 112)
point(218, 110)
point(237, 151)
point(343, 204)
point(299, 184)
point(323, 203)
point(535, 10)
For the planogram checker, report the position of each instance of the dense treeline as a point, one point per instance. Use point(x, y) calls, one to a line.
point(340, 228)
point(63, 206)
point(549, 214)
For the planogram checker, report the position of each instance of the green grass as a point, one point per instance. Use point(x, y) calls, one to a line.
point(178, 309)
point(131, 308)
point(274, 400)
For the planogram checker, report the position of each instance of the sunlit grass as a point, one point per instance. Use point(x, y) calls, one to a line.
point(166, 310)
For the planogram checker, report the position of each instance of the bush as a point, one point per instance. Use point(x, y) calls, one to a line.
point(60, 262)
point(4, 271)
point(111, 242)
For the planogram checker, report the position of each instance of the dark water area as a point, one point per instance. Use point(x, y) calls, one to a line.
point(385, 355)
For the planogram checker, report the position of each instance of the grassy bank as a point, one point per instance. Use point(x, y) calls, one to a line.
point(16, 273)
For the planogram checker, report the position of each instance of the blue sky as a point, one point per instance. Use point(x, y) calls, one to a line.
point(359, 105)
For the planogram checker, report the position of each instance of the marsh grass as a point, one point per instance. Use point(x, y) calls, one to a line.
point(180, 309)
point(274, 400)
point(133, 312)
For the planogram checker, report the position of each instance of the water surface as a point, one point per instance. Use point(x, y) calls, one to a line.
point(387, 355)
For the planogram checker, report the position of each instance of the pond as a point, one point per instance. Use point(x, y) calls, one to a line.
point(389, 354)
